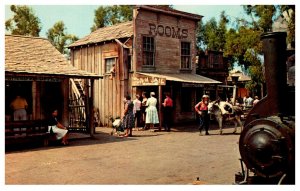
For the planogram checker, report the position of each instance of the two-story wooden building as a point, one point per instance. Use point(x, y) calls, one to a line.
point(154, 52)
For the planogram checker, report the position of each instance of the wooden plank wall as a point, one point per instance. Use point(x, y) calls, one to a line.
point(108, 92)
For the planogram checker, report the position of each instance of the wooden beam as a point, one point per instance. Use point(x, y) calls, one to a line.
point(121, 44)
point(160, 106)
point(92, 125)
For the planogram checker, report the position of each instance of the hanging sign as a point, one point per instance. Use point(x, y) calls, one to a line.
point(148, 81)
point(192, 85)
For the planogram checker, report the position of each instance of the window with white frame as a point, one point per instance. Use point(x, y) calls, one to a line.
point(109, 64)
point(185, 55)
point(148, 51)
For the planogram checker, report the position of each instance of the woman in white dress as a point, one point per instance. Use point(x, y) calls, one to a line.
point(151, 111)
point(58, 129)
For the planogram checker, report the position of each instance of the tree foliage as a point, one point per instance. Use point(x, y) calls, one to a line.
point(288, 12)
point(24, 22)
point(211, 35)
point(110, 15)
point(262, 16)
point(58, 36)
point(242, 44)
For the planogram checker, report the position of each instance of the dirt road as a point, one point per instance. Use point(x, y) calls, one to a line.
point(176, 157)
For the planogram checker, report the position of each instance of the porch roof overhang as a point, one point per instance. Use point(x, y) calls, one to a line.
point(41, 75)
point(25, 76)
point(182, 77)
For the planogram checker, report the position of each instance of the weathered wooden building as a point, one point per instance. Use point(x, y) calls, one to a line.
point(153, 53)
point(213, 64)
point(38, 72)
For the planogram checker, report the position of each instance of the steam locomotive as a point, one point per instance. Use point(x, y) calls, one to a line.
point(267, 142)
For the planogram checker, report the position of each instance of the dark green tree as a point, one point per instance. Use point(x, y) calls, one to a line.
point(288, 12)
point(212, 34)
point(262, 16)
point(244, 42)
point(200, 36)
point(110, 15)
point(243, 45)
point(58, 36)
point(24, 21)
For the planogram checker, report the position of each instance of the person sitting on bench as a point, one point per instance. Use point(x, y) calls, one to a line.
point(57, 128)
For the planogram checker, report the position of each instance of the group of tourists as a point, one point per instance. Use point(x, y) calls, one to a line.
point(142, 113)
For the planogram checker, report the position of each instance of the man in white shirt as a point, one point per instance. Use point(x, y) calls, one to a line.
point(137, 111)
point(249, 101)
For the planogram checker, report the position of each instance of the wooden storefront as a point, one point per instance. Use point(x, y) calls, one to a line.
point(35, 70)
point(154, 52)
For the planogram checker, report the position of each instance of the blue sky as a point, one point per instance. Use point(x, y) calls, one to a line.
point(78, 19)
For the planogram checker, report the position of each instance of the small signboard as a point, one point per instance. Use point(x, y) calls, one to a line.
point(148, 81)
point(192, 85)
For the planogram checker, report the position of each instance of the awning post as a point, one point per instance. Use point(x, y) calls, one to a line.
point(160, 106)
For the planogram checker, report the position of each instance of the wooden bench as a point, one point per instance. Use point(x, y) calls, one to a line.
point(33, 130)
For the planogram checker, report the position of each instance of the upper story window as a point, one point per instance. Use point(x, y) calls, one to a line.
point(109, 64)
point(185, 55)
point(148, 51)
point(215, 60)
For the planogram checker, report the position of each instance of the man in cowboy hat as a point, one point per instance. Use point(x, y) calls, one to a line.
point(202, 109)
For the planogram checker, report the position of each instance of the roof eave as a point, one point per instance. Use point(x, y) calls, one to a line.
point(94, 43)
point(55, 75)
point(189, 15)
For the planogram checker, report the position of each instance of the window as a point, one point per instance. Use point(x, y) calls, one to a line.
point(148, 51)
point(109, 63)
point(185, 55)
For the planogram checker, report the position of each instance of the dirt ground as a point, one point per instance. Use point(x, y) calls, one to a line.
point(156, 158)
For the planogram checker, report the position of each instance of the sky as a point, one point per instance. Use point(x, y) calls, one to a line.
point(78, 19)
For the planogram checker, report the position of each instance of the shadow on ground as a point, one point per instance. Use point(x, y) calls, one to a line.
point(103, 136)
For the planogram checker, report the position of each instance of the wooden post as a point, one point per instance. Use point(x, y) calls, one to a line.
point(87, 106)
point(160, 106)
point(65, 93)
point(234, 94)
point(92, 125)
point(35, 96)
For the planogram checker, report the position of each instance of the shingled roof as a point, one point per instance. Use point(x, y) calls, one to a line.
point(125, 30)
point(34, 55)
point(121, 30)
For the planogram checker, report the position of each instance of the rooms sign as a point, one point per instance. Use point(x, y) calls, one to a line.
point(168, 31)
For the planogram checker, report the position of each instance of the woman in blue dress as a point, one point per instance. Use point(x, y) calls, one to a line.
point(128, 120)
